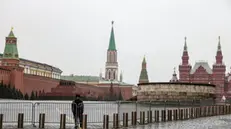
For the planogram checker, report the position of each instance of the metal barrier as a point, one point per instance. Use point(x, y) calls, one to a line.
point(12, 109)
point(1, 121)
point(32, 111)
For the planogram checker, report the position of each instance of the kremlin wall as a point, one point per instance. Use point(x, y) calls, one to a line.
point(46, 80)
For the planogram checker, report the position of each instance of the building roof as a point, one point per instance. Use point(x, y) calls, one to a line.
point(112, 45)
point(203, 64)
point(81, 78)
point(84, 78)
point(10, 50)
point(114, 82)
point(43, 64)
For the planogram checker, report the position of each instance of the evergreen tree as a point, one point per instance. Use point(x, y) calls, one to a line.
point(20, 94)
point(36, 95)
point(120, 96)
point(32, 96)
point(13, 93)
point(4, 91)
point(26, 97)
point(8, 94)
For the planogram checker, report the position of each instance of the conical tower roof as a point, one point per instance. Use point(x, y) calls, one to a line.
point(11, 34)
point(112, 45)
point(11, 50)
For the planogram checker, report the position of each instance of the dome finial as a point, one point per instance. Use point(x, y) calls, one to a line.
point(112, 22)
point(12, 28)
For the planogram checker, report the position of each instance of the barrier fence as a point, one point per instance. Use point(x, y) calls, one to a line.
point(108, 114)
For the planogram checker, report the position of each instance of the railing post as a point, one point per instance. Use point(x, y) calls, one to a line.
point(181, 114)
point(175, 114)
point(157, 119)
point(33, 114)
point(118, 109)
point(20, 120)
point(105, 121)
point(115, 121)
point(150, 105)
point(42, 121)
point(125, 119)
point(84, 122)
point(163, 115)
point(170, 115)
point(63, 121)
point(1, 121)
point(149, 116)
point(142, 117)
point(186, 113)
point(134, 118)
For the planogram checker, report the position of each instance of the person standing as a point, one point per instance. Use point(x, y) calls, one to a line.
point(77, 110)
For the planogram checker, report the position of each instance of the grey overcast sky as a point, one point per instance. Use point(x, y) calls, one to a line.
point(74, 34)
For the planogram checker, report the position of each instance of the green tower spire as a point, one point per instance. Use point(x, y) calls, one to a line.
point(143, 74)
point(11, 34)
point(112, 45)
point(11, 50)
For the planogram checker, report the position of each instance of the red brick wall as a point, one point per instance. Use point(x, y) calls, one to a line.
point(17, 79)
point(38, 83)
point(5, 76)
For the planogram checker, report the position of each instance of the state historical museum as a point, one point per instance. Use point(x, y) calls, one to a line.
point(202, 73)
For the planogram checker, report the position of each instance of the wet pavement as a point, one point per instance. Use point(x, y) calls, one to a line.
point(215, 122)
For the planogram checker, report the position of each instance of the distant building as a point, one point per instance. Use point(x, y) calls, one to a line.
point(174, 77)
point(203, 73)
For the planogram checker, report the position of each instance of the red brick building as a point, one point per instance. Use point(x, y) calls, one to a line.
point(201, 72)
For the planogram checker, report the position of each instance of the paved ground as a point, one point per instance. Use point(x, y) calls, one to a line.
point(216, 122)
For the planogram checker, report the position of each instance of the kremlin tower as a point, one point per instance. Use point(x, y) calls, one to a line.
point(185, 67)
point(143, 74)
point(10, 61)
point(111, 71)
point(219, 69)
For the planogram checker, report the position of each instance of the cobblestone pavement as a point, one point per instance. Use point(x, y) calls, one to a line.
point(216, 122)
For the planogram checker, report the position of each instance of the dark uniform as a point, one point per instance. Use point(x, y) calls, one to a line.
point(77, 110)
